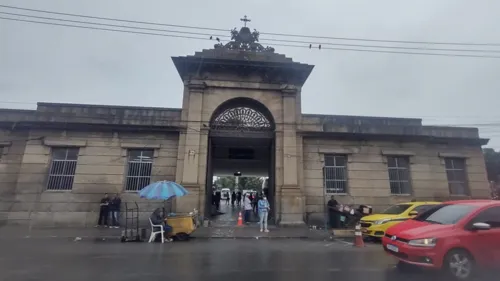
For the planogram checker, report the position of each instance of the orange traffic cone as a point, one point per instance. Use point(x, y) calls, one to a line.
point(240, 220)
point(358, 242)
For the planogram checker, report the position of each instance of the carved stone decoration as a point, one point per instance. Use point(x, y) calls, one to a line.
point(241, 119)
point(245, 40)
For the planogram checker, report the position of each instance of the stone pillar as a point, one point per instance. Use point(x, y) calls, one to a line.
point(291, 197)
point(189, 150)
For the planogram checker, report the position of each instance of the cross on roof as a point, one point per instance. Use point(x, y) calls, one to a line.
point(245, 20)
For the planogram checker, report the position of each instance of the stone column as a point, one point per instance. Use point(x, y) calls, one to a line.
point(189, 150)
point(291, 196)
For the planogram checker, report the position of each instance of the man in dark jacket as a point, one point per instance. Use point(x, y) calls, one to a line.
point(103, 211)
point(158, 218)
point(333, 213)
point(114, 209)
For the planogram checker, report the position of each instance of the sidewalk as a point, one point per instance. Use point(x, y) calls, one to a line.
point(20, 232)
point(274, 233)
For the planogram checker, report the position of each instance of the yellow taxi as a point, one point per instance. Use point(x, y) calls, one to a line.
point(375, 225)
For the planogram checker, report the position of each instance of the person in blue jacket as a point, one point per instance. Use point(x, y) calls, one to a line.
point(264, 209)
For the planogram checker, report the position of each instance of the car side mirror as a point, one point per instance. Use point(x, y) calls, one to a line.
point(413, 213)
point(481, 226)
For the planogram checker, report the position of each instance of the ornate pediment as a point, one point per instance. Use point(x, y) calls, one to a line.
point(244, 40)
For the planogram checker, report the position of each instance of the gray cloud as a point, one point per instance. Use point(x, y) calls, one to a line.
point(57, 64)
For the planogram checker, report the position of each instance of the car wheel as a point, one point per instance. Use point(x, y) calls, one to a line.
point(459, 264)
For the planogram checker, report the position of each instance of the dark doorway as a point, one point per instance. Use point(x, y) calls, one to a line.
point(241, 142)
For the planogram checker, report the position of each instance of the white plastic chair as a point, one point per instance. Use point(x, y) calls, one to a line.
point(154, 233)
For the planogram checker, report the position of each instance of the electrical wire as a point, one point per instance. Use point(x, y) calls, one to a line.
point(266, 39)
point(266, 33)
point(283, 45)
point(433, 117)
point(105, 29)
point(121, 26)
point(202, 122)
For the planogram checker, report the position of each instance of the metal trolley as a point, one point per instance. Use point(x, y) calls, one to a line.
point(131, 232)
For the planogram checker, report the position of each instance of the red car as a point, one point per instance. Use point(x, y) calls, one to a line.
point(458, 236)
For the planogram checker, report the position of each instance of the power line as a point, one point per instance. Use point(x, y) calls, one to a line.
point(265, 33)
point(266, 39)
point(436, 117)
point(121, 26)
point(490, 126)
point(175, 146)
point(283, 45)
point(433, 117)
point(105, 29)
point(112, 19)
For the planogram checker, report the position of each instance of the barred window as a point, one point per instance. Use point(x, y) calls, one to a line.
point(140, 165)
point(62, 168)
point(399, 174)
point(335, 174)
point(457, 177)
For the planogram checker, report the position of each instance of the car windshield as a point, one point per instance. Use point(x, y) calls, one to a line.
point(396, 209)
point(446, 213)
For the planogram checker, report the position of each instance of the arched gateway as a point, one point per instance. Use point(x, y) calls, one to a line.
point(240, 141)
point(241, 105)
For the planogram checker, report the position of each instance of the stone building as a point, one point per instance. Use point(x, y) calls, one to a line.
point(241, 111)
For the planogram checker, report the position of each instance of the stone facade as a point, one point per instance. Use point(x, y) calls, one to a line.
point(180, 137)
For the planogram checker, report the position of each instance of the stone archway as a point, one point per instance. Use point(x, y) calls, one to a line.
point(242, 115)
point(236, 125)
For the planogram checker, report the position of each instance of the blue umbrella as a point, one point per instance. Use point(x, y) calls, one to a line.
point(162, 190)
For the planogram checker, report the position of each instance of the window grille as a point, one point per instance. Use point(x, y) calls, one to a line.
point(457, 176)
point(139, 167)
point(62, 168)
point(399, 174)
point(335, 174)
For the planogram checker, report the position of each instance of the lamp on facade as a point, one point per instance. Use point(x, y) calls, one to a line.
point(237, 177)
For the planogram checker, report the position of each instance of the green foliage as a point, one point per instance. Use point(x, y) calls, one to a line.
point(225, 182)
point(250, 183)
point(492, 160)
point(243, 182)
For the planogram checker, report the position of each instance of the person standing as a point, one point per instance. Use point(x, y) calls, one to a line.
point(226, 195)
point(238, 198)
point(333, 213)
point(217, 200)
point(264, 209)
point(255, 202)
point(233, 198)
point(103, 211)
point(247, 205)
point(114, 208)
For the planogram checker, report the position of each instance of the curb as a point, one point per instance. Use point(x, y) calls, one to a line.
point(118, 238)
point(252, 237)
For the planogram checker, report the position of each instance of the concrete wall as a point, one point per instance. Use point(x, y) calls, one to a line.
point(368, 178)
point(101, 169)
point(12, 145)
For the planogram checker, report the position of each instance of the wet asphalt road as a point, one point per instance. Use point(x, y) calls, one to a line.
point(242, 260)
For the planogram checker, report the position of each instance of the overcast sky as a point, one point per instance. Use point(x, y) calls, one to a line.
point(62, 64)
